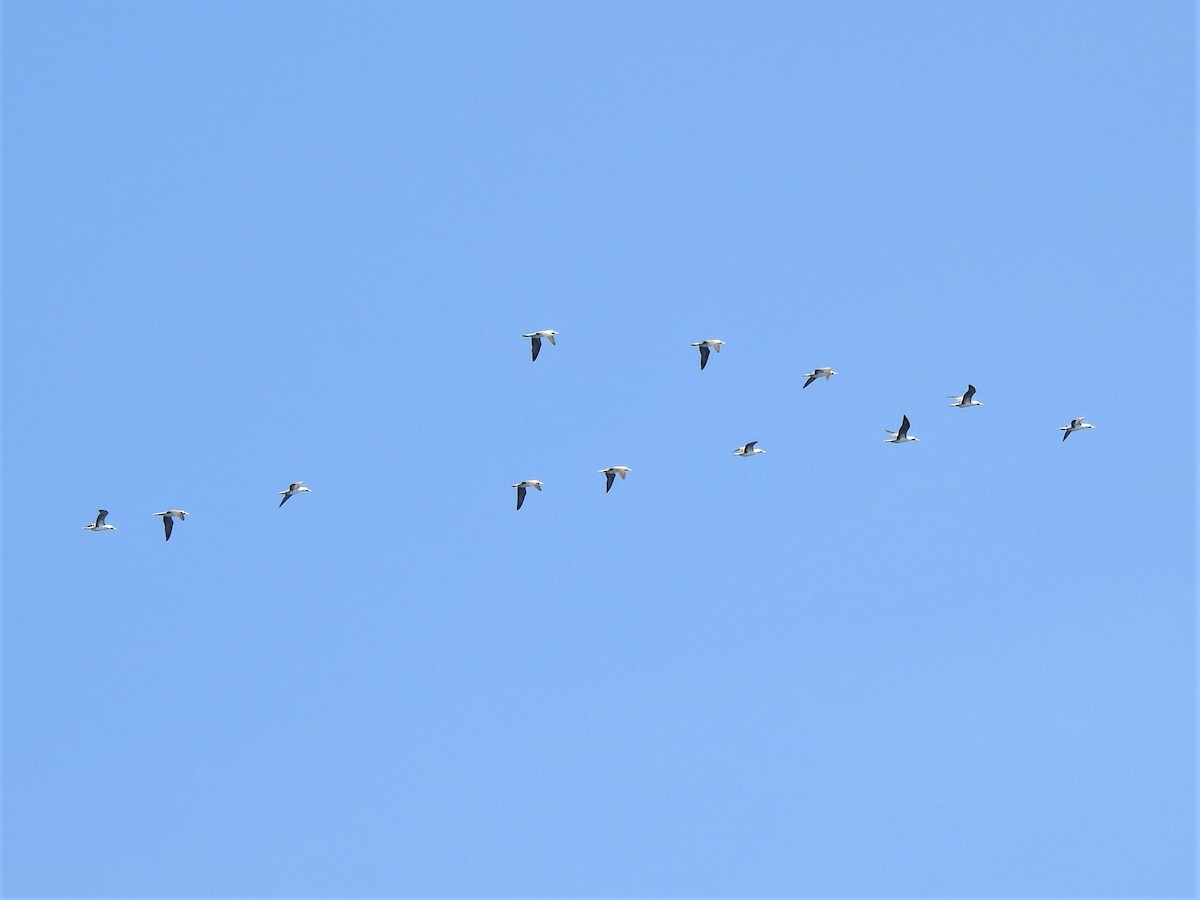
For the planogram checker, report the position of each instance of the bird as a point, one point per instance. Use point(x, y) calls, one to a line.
point(296, 487)
point(818, 373)
point(99, 524)
point(899, 437)
point(611, 473)
point(967, 399)
point(705, 347)
point(166, 517)
point(522, 487)
point(536, 340)
point(1076, 425)
point(748, 450)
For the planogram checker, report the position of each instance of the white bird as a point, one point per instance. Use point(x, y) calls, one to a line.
point(1076, 425)
point(967, 399)
point(296, 487)
point(522, 487)
point(899, 437)
point(611, 473)
point(818, 373)
point(536, 340)
point(166, 517)
point(748, 450)
point(705, 348)
point(99, 524)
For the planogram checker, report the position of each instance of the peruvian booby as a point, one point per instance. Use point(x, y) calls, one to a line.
point(1076, 425)
point(610, 474)
point(166, 517)
point(99, 524)
point(812, 376)
point(522, 488)
point(535, 339)
point(967, 399)
point(705, 348)
point(748, 450)
point(899, 437)
point(296, 487)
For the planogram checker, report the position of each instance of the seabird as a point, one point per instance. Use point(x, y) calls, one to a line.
point(966, 399)
point(522, 487)
point(611, 473)
point(748, 450)
point(1076, 425)
point(166, 517)
point(296, 487)
point(899, 437)
point(818, 373)
point(705, 348)
point(99, 524)
point(536, 340)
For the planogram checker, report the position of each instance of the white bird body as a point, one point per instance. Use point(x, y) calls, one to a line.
point(523, 487)
point(611, 473)
point(825, 372)
point(967, 399)
point(535, 339)
point(296, 487)
point(748, 449)
point(100, 524)
point(705, 348)
point(167, 515)
point(901, 436)
point(1076, 425)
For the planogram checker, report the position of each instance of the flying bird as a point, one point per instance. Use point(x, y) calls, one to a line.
point(899, 437)
point(705, 348)
point(818, 373)
point(748, 450)
point(967, 399)
point(296, 487)
point(536, 340)
point(99, 524)
point(166, 517)
point(1076, 425)
point(611, 473)
point(522, 488)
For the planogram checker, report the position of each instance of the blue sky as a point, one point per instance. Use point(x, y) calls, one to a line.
point(252, 243)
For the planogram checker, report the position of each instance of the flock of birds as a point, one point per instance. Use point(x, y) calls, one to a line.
point(170, 515)
point(706, 348)
point(713, 345)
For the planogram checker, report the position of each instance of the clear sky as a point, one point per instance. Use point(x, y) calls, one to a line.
point(249, 243)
